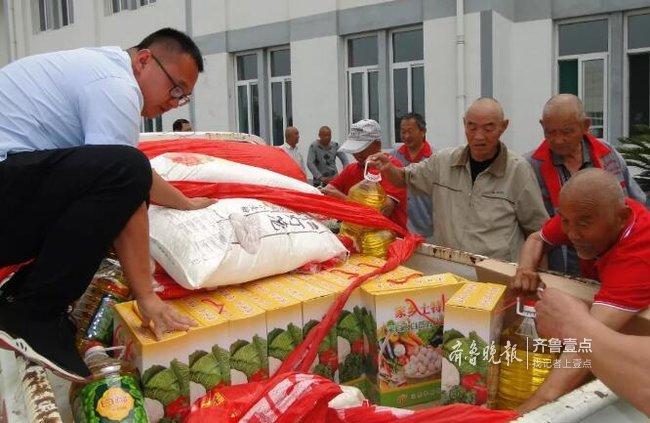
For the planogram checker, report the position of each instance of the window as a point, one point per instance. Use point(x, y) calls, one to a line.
point(247, 92)
point(582, 68)
point(117, 6)
point(363, 78)
point(280, 89)
point(54, 14)
point(638, 55)
point(151, 125)
point(407, 73)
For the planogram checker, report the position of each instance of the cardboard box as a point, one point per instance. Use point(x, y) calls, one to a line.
point(283, 321)
point(473, 322)
point(182, 366)
point(249, 361)
point(352, 335)
point(502, 272)
point(405, 324)
point(315, 301)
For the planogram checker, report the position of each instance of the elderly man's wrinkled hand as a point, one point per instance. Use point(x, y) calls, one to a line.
point(526, 280)
point(380, 161)
point(557, 311)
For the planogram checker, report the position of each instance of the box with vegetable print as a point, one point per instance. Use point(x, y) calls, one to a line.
point(409, 322)
point(182, 366)
point(473, 318)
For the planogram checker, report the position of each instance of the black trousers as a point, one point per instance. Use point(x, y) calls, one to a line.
point(64, 208)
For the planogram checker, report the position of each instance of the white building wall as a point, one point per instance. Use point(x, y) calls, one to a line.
point(209, 16)
point(214, 109)
point(4, 36)
point(531, 80)
point(81, 33)
point(440, 82)
point(443, 127)
point(316, 90)
point(502, 45)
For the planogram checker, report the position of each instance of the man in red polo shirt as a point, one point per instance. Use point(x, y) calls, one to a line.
point(363, 141)
point(413, 132)
point(613, 232)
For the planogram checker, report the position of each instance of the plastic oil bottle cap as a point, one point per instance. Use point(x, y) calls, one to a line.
point(372, 177)
point(526, 307)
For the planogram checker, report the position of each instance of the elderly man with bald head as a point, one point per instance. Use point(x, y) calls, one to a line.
point(486, 199)
point(567, 148)
point(612, 230)
point(290, 146)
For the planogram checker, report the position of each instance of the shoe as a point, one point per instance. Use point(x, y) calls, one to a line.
point(50, 343)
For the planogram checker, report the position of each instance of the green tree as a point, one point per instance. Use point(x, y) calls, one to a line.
point(635, 149)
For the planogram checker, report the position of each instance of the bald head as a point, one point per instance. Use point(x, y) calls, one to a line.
point(593, 211)
point(484, 125)
point(595, 186)
point(291, 136)
point(486, 106)
point(565, 105)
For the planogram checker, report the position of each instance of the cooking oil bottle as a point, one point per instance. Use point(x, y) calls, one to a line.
point(368, 192)
point(113, 393)
point(93, 312)
point(520, 377)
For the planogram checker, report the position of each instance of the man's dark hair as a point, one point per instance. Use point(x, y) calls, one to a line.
point(178, 124)
point(422, 124)
point(174, 41)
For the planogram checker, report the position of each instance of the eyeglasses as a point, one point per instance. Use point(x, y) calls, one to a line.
point(176, 91)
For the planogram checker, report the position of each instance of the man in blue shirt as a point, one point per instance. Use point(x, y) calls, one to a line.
point(73, 184)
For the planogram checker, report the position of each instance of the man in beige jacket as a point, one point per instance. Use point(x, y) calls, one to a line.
point(486, 198)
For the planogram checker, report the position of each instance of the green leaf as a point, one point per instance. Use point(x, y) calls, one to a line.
point(369, 327)
point(323, 370)
point(223, 358)
point(280, 344)
point(352, 367)
point(296, 334)
point(328, 342)
point(204, 369)
point(262, 349)
point(245, 358)
point(448, 335)
point(349, 327)
point(162, 385)
point(182, 372)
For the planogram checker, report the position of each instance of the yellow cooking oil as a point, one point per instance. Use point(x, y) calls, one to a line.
point(525, 364)
point(368, 192)
point(376, 243)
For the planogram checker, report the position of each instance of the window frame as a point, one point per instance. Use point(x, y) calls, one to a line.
point(53, 14)
point(248, 83)
point(410, 65)
point(156, 124)
point(626, 67)
point(283, 79)
point(584, 58)
point(364, 70)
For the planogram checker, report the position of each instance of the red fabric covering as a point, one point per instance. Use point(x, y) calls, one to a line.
point(549, 172)
point(302, 398)
point(290, 398)
point(455, 413)
point(262, 156)
point(298, 201)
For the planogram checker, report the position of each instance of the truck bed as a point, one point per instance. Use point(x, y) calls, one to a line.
point(30, 394)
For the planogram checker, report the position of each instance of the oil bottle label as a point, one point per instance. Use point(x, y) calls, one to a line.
point(115, 404)
point(113, 399)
